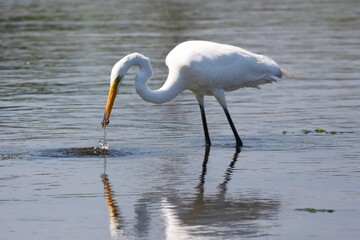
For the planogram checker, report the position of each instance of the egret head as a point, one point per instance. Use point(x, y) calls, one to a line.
point(114, 86)
point(117, 74)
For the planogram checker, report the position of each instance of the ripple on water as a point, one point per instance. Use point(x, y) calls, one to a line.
point(84, 152)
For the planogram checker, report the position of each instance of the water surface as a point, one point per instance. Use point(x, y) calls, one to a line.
point(158, 181)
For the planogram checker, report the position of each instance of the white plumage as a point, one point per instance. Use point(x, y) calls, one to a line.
point(215, 66)
point(205, 68)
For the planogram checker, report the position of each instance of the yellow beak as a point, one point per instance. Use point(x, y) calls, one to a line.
point(110, 101)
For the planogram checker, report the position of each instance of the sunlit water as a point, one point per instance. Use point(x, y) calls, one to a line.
point(151, 177)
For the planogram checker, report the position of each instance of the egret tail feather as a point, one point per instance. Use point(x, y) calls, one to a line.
point(286, 74)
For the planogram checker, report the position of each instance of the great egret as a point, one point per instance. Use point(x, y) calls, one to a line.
point(205, 68)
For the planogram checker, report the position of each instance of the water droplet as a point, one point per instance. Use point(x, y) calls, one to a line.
point(103, 146)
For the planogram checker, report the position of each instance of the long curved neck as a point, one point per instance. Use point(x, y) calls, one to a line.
point(171, 88)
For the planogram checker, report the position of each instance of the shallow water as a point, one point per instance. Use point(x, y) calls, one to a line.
point(157, 180)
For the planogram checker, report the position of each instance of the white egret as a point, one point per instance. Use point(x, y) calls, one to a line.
point(205, 68)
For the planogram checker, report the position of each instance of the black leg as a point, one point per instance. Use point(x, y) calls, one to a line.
point(206, 132)
point(238, 140)
point(205, 161)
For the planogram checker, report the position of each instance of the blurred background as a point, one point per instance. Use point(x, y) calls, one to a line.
point(55, 61)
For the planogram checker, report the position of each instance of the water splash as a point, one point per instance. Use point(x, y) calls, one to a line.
point(103, 147)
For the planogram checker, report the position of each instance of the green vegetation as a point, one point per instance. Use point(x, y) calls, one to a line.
point(319, 131)
point(314, 210)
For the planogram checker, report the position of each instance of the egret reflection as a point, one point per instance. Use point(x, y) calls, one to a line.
point(116, 222)
point(220, 214)
point(195, 214)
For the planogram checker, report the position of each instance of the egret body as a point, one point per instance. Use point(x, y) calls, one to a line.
point(205, 68)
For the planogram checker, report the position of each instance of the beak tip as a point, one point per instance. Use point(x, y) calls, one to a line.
point(105, 122)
